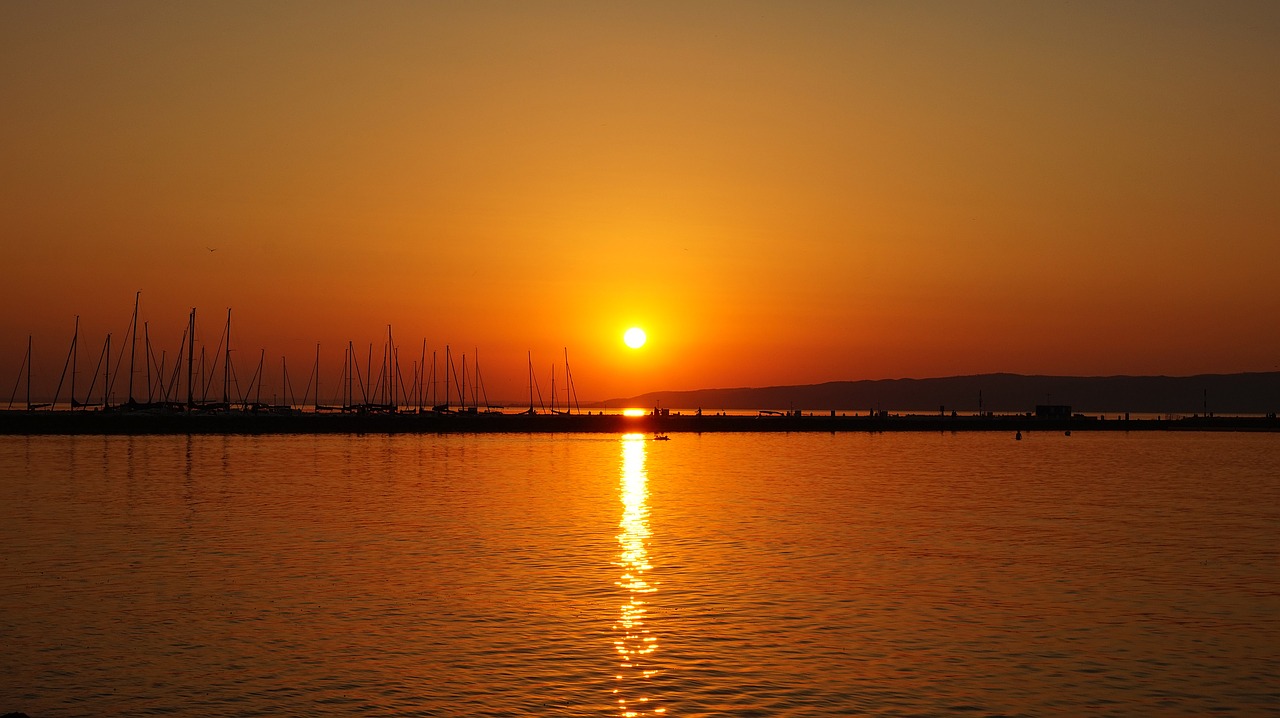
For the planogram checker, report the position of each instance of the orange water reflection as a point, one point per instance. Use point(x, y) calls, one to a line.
point(634, 644)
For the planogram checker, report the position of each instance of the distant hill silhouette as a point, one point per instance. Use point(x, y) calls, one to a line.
point(1247, 393)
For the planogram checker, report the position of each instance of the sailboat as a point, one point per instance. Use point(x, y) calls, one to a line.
point(26, 364)
point(570, 394)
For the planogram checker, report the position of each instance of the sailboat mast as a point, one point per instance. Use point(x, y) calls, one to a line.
point(63, 376)
point(530, 355)
point(18, 382)
point(191, 360)
point(226, 364)
point(422, 374)
point(74, 339)
point(392, 361)
point(571, 391)
point(381, 387)
point(379, 392)
point(257, 397)
point(28, 372)
point(396, 379)
point(448, 363)
point(133, 342)
point(106, 377)
point(146, 341)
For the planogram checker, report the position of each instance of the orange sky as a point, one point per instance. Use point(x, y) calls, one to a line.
point(777, 192)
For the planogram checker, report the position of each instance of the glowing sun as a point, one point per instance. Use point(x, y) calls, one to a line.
point(634, 337)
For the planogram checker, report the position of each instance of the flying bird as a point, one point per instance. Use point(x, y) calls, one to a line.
point(211, 249)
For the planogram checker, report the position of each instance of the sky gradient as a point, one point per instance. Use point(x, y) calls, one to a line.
point(778, 193)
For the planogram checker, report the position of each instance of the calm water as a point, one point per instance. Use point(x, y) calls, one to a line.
point(574, 575)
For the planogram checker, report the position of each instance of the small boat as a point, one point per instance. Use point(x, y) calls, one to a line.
point(661, 437)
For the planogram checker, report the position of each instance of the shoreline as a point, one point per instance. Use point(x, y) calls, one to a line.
point(30, 423)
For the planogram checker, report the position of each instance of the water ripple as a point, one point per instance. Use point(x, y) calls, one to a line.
point(772, 575)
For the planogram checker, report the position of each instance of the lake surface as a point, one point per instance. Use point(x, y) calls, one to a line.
point(594, 575)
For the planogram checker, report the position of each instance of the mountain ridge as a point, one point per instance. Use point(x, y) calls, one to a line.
point(1242, 393)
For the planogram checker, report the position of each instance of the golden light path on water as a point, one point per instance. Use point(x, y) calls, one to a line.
point(635, 646)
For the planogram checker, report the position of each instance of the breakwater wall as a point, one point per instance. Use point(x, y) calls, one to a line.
point(235, 422)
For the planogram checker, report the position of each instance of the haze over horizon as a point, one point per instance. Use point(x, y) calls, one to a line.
point(777, 194)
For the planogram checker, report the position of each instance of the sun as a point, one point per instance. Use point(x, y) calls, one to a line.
point(634, 338)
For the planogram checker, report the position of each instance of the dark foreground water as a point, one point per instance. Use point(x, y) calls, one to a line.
point(593, 575)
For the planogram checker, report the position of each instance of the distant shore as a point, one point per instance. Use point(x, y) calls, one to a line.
point(237, 422)
point(1224, 394)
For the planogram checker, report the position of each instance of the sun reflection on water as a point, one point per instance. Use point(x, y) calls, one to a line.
point(634, 644)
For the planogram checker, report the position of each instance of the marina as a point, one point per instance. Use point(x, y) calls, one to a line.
point(640, 360)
